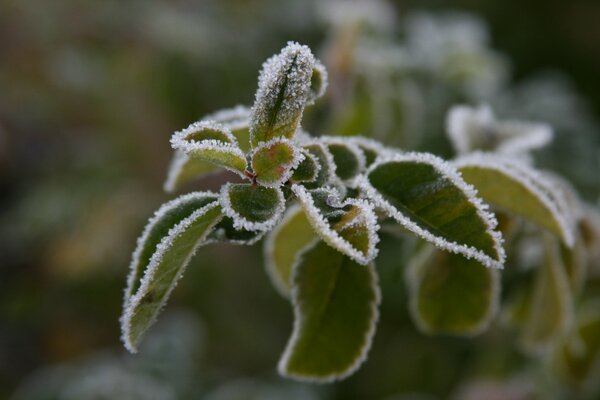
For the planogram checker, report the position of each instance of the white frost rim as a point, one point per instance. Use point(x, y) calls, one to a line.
point(289, 167)
point(240, 222)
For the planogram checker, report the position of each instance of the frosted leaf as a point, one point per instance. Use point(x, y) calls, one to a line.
point(335, 316)
point(371, 149)
point(350, 226)
point(427, 196)
point(472, 129)
point(319, 82)
point(234, 118)
point(327, 166)
point(539, 199)
point(253, 208)
point(348, 158)
point(165, 248)
point(273, 162)
point(308, 169)
point(283, 90)
point(184, 168)
point(224, 232)
point(211, 142)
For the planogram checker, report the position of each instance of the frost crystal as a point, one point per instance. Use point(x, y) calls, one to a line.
point(283, 90)
point(285, 170)
point(476, 128)
point(450, 173)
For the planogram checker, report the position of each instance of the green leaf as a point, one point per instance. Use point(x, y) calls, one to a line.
point(335, 309)
point(273, 161)
point(211, 142)
point(326, 165)
point(283, 245)
point(370, 148)
point(550, 310)
point(349, 226)
point(450, 294)
point(283, 91)
point(307, 170)
point(348, 158)
point(251, 207)
point(428, 197)
point(184, 168)
point(517, 188)
point(577, 358)
point(164, 250)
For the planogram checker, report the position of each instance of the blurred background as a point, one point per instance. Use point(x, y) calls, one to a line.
point(90, 92)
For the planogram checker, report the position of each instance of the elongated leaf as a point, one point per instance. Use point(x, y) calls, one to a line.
point(428, 197)
point(318, 82)
point(283, 245)
point(211, 142)
point(253, 208)
point(450, 294)
point(335, 310)
point(348, 158)
point(273, 161)
point(283, 90)
point(517, 188)
point(550, 312)
point(164, 250)
point(577, 357)
point(349, 226)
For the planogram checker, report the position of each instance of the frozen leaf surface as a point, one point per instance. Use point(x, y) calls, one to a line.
point(164, 250)
point(450, 294)
point(335, 309)
point(429, 198)
point(349, 226)
point(283, 91)
point(253, 208)
point(273, 161)
point(211, 142)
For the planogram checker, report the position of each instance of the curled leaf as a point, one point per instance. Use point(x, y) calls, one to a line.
point(163, 251)
point(335, 309)
point(428, 197)
point(283, 245)
point(283, 90)
point(318, 82)
point(308, 169)
point(253, 208)
point(273, 161)
point(211, 142)
point(515, 187)
point(349, 226)
point(348, 158)
point(450, 294)
point(326, 173)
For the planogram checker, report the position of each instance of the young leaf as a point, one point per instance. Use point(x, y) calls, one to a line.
point(283, 90)
point(517, 188)
point(349, 226)
point(253, 208)
point(550, 312)
point(318, 82)
point(472, 129)
point(282, 246)
point(273, 161)
point(184, 168)
point(211, 142)
point(348, 158)
point(450, 294)
point(335, 310)
point(163, 251)
point(370, 148)
point(308, 169)
point(429, 198)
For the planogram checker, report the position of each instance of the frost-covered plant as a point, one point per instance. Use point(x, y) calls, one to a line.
point(322, 201)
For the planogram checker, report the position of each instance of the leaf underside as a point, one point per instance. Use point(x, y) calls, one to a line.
point(335, 307)
point(283, 245)
point(450, 294)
